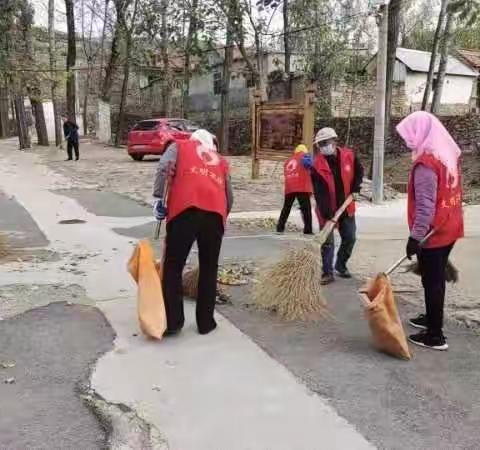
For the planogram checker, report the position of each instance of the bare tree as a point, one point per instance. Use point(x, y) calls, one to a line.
point(164, 44)
point(126, 15)
point(32, 83)
point(394, 17)
point(191, 41)
point(90, 51)
point(111, 67)
point(433, 57)
point(71, 60)
point(442, 68)
point(53, 71)
point(102, 41)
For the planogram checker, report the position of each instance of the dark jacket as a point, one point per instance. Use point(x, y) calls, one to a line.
point(320, 187)
point(70, 131)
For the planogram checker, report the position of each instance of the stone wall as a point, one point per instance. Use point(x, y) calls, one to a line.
point(464, 129)
point(360, 97)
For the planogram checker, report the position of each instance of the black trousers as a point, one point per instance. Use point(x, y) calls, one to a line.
point(73, 146)
point(433, 262)
point(206, 228)
point(305, 208)
point(347, 229)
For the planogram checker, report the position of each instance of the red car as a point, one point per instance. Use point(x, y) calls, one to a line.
point(153, 136)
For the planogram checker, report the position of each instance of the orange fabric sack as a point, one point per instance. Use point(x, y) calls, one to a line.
point(383, 319)
point(150, 305)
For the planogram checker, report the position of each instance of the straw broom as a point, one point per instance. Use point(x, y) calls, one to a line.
point(451, 272)
point(291, 287)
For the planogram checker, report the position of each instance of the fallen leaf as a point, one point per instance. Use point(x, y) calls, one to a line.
point(6, 365)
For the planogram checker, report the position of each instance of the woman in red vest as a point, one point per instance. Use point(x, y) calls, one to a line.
point(336, 174)
point(298, 185)
point(434, 202)
point(199, 200)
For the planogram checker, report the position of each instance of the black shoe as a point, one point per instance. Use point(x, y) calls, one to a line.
point(308, 233)
point(428, 340)
point(208, 329)
point(327, 278)
point(69, 159)
point(419, 322)
point(171, 332)
point(344, 274)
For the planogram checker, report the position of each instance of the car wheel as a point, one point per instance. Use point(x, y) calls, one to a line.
point(137, 157)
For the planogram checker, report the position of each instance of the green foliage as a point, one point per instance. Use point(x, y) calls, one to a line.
point(468, 11)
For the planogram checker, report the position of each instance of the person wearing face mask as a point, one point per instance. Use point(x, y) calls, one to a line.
point(336, 173)
point(198, 202)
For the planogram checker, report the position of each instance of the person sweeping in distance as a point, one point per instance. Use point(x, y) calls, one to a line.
point(336, 173)
point(298, 186)
point(199, 200)
point(434, 203)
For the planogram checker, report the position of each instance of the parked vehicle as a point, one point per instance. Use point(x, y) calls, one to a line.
point(153, 136)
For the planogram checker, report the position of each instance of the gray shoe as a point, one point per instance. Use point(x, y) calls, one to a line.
point(327, 278)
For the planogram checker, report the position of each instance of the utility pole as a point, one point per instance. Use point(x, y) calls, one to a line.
point(379, 136)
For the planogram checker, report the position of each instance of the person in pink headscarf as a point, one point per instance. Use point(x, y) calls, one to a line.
point(434, 203)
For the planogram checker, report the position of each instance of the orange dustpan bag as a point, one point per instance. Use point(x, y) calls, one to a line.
point(150, 305)
point(383, 318)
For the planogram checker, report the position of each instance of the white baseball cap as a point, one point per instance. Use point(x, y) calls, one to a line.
point(324, 134)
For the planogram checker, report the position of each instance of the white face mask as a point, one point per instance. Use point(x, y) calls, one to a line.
point(327, 150)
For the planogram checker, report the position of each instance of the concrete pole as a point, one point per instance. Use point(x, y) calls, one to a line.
point(379, 137)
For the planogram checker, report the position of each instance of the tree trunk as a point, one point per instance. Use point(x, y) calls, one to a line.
point(166, 83)
point(33, 83)
point(191, 36)
point(40, 124)
point(442, 68)
point(4, 120)
point(85, 102)
point(225, 99)
point(123, 99)
point(394, 13)
point(112, 64)
point(433, 58)
point(71, 60)
point(24, 140)
point(53, 71)
point(102, 42)
point(286, 47)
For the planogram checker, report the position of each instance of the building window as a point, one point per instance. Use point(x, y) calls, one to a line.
point(217, 83)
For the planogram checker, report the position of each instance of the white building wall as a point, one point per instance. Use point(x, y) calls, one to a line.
point(456, 90)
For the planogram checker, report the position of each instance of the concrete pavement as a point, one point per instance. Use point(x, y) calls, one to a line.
point(279, 412)
point(222, 391)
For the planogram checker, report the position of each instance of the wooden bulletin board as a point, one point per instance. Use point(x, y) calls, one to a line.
point(278, 127)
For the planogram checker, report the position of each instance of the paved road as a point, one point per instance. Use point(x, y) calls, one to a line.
point(430, 402)
point(422, 404)
point(53, 348)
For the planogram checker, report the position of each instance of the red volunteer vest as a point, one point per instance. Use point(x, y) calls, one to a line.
point(347, 167)
point(448, 220)
point(297, 178)
point(199, 181)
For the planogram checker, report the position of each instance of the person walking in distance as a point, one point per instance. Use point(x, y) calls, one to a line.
point(298, 185)
point(70, 131)
point(198, 201)
point(336, 173)
point(434, 203)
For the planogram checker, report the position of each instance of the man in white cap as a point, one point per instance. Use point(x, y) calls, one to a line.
point(336, 173)
point(199, 200)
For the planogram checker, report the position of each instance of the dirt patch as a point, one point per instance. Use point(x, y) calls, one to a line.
point(397, 169)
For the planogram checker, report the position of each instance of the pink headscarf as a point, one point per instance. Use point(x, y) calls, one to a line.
point(424, 133)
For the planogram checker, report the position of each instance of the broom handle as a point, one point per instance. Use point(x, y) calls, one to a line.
point(158, 224)
point(330, 225)
point(403, 258)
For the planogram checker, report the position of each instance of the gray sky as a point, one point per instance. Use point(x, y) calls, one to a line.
point(41, 14)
